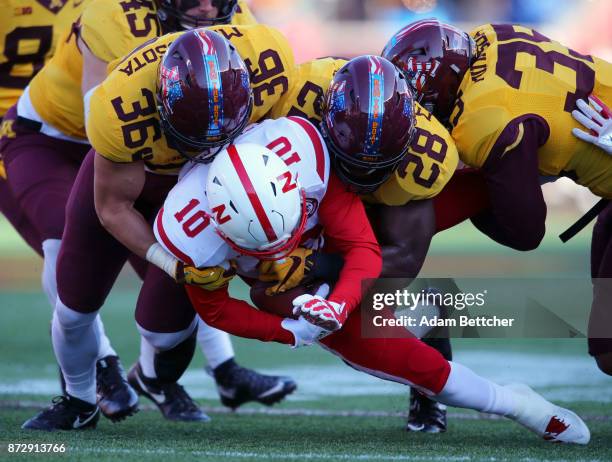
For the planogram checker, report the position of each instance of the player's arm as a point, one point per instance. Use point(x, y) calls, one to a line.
point(94, 68)
point(404, 233)
point(117, 185)
point(517, 215)
point(347, 231)
point(237, 317)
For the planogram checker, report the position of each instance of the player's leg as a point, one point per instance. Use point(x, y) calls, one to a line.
point(600, 322)
point(168, 327)
point(139, 266)
point(517, 215)
point(403, 257)
point(41, 170)
point(236, 384)
point(9, 207)
point(464, 196)
point(167, 347)
point(407, 360)
point(89, 261)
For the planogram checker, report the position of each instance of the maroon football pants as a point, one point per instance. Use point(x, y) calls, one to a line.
point(90, 258)
point(600, 322)
point(463, 197)
point(40, 171)
point(9, 207)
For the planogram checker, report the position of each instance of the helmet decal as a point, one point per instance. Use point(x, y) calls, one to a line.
point(336, 102)
point(417, 72)
point(170, 87)
point(213, 77)
point(174, 16)
point(376, 106)
point(409, 109)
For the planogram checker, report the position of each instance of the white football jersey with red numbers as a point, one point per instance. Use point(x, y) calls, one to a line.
point(183, 225)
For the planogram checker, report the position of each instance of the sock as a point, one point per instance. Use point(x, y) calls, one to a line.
point(215, 344)
point(171, 364)
point(165, 356)
point(76, 343)
point(106, 349)
point(466, 389)
point(147, 358)
point(51, 249)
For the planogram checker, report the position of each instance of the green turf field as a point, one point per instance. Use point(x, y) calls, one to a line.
point(337, 413)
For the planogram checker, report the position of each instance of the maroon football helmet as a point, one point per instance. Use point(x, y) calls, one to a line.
point(368, 121)
point(434, 58)
point(204, 94)
point(173, 17)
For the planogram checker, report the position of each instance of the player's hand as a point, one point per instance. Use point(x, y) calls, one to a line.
point(597, 118)
point(211, 278)
point(288, 272)
point(319, 311)
point(304, 332)
point(2, 170)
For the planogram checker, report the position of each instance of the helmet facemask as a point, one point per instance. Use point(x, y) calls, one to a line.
point(360, 176)
point(275, 250)
point(176, 18)
point(202, 149)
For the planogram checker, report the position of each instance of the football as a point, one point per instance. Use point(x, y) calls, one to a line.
point(281, 304)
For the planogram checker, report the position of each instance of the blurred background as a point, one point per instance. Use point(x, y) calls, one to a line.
point(347, 28)
point(352, 27)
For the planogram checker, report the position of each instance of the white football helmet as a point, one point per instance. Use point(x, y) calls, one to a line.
point(256, 203)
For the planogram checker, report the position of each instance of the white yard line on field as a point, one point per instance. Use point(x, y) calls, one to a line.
point(563, 377)
point(301, 412)
point(310, 456)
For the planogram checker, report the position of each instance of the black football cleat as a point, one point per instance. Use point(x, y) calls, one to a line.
point(238, 385)
point(171, 398)
point(425, 415)
point(116, 398)
point(66, 413)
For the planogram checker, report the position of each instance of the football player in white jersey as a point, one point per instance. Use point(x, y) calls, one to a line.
point(250, 204)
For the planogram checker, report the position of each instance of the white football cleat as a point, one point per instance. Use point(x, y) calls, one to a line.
point(551, 422)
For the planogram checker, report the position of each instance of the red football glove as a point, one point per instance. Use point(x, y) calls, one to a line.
point(320, 312)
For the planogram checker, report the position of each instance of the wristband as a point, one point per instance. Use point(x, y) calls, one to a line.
point(157, 255)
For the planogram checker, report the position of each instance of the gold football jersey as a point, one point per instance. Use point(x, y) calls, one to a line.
point(519, 72)
point(29, 33)
point(243, 15)
point(111, 29)
point(306, 95)
point(123, 123)
point(430, 163)
point(432, 157)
